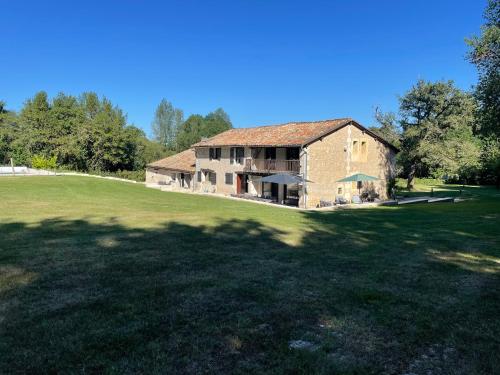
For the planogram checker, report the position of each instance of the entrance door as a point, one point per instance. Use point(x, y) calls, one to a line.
point(238, 183)
point(244, 183)
point(241, 183)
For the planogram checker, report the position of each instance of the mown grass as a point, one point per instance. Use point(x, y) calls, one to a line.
point(100, 276)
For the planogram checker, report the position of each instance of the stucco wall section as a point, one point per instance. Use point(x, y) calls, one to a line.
point(158, 176)
point(220, 167)
point(330, 159)
point(169, 178)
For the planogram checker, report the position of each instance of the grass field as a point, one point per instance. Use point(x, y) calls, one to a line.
point(100, 276)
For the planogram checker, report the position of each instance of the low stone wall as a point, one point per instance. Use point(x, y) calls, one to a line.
point(24, 171)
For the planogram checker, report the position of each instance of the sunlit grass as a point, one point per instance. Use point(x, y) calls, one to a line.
point(108, 277)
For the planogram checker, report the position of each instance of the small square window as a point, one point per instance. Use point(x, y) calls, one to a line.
point(229, 178)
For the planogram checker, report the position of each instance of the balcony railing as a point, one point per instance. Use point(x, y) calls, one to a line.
point(270, 165)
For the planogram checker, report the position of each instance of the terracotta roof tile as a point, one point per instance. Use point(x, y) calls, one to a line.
point(183, 162)
point(290, 134)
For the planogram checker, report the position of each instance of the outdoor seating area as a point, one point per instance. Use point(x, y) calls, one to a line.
point(289, 201)
point(340, 201)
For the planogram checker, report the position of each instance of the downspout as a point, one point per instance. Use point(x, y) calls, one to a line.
point(196, 169)
point(304, 185)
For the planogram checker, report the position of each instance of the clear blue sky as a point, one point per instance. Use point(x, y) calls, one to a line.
point(263, 61)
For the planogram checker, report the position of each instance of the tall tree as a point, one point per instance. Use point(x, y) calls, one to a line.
point(112, 148)
point(9, 131)
point(148, 151)
point(90, 103)
point(485, 54)
point(190, 132)
point(437, 120)
point(197, 127)
point(216, 122)
point(36, 125)
point(388, 127)
point(66, 119)
point(166, 123)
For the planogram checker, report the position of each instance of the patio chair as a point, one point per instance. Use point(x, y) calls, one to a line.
point(339, 199)
point(356, 199)
point(325, 203)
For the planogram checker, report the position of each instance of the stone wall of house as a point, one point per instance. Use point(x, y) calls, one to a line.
point(224, 165)
point(341, 154)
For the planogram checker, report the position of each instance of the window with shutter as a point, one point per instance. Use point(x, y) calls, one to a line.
point(240, 155)
point(214, 153)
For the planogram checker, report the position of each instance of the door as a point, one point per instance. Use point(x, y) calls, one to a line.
point(238, 183)
point(270, 158)
point(271, 153)
point(244, 183)
point(292, 153)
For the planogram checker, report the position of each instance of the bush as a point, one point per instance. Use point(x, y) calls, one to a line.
point(41, 162)
point(139, 175)
point(391, 187)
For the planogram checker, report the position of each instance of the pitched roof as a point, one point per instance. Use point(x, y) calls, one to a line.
point(285, 135)
point(182, 162)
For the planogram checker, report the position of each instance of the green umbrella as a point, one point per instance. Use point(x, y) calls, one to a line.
point(357, 178)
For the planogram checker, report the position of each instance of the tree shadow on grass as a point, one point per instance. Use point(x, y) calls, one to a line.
point(77, 296)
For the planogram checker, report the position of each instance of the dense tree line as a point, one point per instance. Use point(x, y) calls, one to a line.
point(170, 129)
point(84, 133)
point(88, 133)
point(444, 132)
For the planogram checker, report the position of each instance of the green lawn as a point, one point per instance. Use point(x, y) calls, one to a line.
point(100, 276)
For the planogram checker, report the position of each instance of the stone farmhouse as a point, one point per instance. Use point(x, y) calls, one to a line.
point(318, 154)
